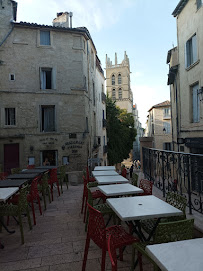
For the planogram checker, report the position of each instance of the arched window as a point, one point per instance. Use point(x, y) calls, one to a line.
point(120, 93)
point(119, 79)
point(113, 79)
point(113, 94)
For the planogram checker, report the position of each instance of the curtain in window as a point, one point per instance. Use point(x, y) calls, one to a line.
point(43, 79)
point(49, 116)
point(10, 116)
point(196, 104)
point(45, 38)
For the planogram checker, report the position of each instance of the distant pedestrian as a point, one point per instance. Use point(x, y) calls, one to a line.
point(131, 171)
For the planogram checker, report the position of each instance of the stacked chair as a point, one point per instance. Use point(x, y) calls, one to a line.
point(63, 177)
point(146, 186)
point(15, 170)
point(53, 179)
point(43, 187)
point(134, 179)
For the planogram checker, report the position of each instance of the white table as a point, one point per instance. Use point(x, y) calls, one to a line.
point(104, 168)
point(134, 209)
point(119, 189)
point(110, 179)
point(104, 173)
point(6, 193)
point(178, 256)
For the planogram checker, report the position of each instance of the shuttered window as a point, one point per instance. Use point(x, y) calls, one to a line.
point(47, 118)
point(10, 116)
point(191, 51)
point(195, 103)
point(45, 38)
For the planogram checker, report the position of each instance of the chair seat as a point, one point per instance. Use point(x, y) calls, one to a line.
point(98, 194)
point(121, 237)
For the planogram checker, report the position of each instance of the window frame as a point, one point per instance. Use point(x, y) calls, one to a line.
point(52, 78)
point(45, 31)
point(195, 100)
point(119, 79)
point(191, 52)
point(167, 127)
point(113, 79)
point(42, 119)
point(8, 117)
point(113, 95)
point(120, 94)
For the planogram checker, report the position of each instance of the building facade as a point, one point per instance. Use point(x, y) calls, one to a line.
point(159, 126)
point(186, 77)
point(51, 93)
point(140, 132)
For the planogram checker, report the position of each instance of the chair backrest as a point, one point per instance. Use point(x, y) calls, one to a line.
point(33, 188)
point(22, 200)
point(112, 252)
point(3, 175)
point(146, 186)
point(89, 185)
point(53, 175)
point(96, 226)
point(124, 172)
point(174, 231)
point(15, 170)
point(30, 166)
point(134, 179)
point(177, 201)
point(87, 174)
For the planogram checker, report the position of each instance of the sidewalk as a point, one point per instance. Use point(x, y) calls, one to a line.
point(57, 242)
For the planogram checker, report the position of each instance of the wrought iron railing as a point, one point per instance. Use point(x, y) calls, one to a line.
point(176, 171)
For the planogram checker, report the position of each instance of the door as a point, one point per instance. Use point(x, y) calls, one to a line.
point(11, 157)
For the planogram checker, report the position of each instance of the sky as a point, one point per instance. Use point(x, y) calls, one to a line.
point(145, 29)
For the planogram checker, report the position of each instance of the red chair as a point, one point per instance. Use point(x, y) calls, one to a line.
point(92, 179)
point(53, 179)
point(99, 235)
point(112, 252)
point(124, 172)
point(3, 175)
point(146, 186)
point(95, 195)
point(30, 166)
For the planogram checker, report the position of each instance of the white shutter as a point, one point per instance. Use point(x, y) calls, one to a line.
point(53, 79)
point(196, 115)
point(194, 48)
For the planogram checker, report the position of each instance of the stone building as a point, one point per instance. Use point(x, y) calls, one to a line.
point(118, 82)
point(159, 126)
point(138, 126)
point(52, 101)
point(186, 77)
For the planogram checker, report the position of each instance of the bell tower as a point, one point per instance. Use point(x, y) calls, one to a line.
point(118, 82)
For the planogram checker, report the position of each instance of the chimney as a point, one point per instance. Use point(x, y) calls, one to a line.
point(62, 19)
point(71, 15)
point(115, 58)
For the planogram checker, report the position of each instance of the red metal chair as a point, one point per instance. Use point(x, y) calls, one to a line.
point(95, 195)
point(30, 166)
point(112, 252)
point(99, 235)
point(89, 179)
point(146, 186)
point(3, 175)
point(53, 179)
point(124, 172)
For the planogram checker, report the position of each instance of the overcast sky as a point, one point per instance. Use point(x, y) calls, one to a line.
point(146, 30)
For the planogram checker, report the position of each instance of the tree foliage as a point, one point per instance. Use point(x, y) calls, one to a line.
point(120, 132)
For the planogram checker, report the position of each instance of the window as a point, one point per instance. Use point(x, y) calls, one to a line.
point(167, 146)
point(191, 51)
point(113, 79)
point(12, 77)
point(166, 112)
point(47, 118)
point(195, 104)
point(166, 127)
point(120, 93)
point(50, 155)
point(10, 116)
point(87, 125)
point(45, 38)
point(113, 94)
point(48, 78)
point(199, 3)
point(119, 79)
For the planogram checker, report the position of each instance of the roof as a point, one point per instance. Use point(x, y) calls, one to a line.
point(163, 104)
point(79, 30)
point(179, 7)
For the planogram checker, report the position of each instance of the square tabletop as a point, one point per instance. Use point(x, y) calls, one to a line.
point(22, 176)
point(104, 173)
point(178, 256)
point(119, 189)
point(34, 170)
point(13, 182)
point(104, 168)
point(110, 179)
point(6, 193)
point(46, 167)
point(142, 207)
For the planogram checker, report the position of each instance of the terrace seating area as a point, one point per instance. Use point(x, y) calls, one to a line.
point(57, 241)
